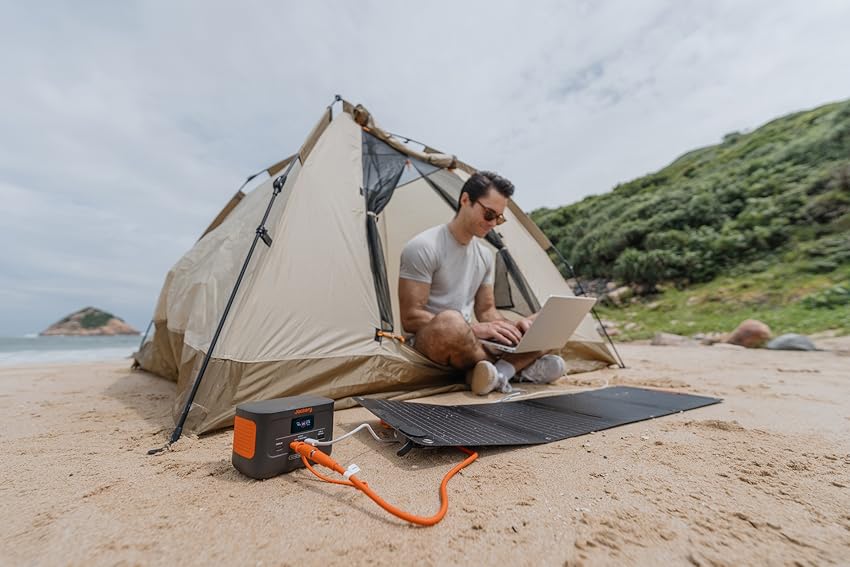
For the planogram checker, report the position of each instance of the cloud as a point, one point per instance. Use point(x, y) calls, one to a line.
point(127, 126)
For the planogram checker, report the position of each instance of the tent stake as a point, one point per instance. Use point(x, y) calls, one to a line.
point(261, 233)
point(592, 310)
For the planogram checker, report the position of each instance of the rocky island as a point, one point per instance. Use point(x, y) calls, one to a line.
point(90, 321)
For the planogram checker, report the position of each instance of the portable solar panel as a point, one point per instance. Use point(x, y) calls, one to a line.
point(529, 422)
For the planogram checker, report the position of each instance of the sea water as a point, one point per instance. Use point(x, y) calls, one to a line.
point(49, 350)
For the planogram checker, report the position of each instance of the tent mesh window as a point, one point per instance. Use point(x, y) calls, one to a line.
point(502, 285)
point(384, 170)
point(521, 299)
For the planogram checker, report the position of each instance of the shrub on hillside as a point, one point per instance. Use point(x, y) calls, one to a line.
point(648, 268)
point(830, 298)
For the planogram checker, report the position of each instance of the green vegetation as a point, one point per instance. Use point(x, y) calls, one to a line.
point(757, 226)
point(787, 299)
point(95, 318)
point(835, 297)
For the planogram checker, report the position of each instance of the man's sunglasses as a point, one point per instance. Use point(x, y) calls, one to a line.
point(490, 215)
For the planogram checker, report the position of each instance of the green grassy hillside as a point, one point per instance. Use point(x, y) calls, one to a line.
point(756, 226)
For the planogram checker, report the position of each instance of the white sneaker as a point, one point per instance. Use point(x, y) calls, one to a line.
point(484, 378)
point(544, 370)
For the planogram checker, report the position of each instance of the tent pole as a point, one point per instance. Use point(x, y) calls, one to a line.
point(136, 364)
point(145, 336)
point(261, 234)
point(336, 99)
point(592, 310)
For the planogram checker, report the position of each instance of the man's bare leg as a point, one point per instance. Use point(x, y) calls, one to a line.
point(447, 339)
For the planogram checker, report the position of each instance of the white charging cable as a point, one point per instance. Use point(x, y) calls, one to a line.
point(317, 443)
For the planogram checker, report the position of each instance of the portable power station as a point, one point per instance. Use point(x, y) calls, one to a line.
point(262, 432)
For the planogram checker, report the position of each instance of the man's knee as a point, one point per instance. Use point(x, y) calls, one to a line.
point(447, 327)
point(446, 339)
point(449, 323)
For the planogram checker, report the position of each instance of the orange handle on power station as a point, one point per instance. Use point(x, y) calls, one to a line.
point(309, 452)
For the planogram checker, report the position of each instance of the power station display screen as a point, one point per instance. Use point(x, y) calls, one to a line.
point(300, 424)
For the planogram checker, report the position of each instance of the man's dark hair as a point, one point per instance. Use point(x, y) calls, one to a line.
point(481, 181)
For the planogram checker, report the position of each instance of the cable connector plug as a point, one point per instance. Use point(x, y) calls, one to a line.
point(351, 470)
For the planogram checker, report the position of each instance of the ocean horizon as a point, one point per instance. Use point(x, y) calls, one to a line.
point(35, 349)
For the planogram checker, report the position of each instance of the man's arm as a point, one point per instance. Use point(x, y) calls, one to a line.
point(491, 325)
point(485, 305)
point(412, 299)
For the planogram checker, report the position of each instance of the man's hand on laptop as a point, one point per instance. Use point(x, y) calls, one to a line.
point(503, 332)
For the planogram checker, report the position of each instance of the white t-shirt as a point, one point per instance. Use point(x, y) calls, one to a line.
point(455, 271)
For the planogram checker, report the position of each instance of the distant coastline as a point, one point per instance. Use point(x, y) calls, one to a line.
point(35, 349)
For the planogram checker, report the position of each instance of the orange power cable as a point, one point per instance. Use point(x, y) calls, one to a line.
point(314, 454)
point(323, 477)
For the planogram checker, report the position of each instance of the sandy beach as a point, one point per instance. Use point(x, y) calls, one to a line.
point(762, 478)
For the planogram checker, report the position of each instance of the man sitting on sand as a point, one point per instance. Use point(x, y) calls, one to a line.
point(446, 274)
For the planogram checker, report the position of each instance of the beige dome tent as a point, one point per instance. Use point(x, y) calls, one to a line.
point(317, 311)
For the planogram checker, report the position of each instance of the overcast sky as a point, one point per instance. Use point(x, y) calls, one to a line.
point(126, 126)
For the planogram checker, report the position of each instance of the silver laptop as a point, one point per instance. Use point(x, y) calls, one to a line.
point(553, 327)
